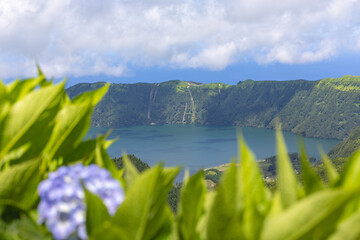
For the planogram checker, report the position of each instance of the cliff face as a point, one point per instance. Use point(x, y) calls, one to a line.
point(328, 108)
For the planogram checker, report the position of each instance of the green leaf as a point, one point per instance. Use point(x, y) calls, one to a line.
point(287, 182)
point(71, 125)
point(15, 154)
point(108, 231)
point(252, 184)
point(131, 173)
point(25, 115)
point(308, 216)
point(4, 110)
point(96, 212)
point(351, 172)
point(19, 183)
point(311, 180)
point(331, 173)
point(103, 160)
point(44, 82)
point(18, 89)
point(276, 205)
point(191, 206)
point(186, 175)
point(84, 151)
point(224, 220)
point(168, 175)
point(145, 214)
point(25, 228)
point(203, 221)
point(42, 127)
point(3, 93)
point(349, 229)
point(95, 96)
point(253, 192)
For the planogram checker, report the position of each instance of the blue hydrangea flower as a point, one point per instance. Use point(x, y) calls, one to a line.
point(62, 198)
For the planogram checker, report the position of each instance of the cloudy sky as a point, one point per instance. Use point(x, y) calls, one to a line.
point(198, 40)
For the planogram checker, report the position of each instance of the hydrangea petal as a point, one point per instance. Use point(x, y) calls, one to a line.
point(62, 198)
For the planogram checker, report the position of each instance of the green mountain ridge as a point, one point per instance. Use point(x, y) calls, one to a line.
point(328, 108)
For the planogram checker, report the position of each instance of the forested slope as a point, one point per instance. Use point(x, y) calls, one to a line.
point(328, 108)
point(331, 109)
point(347, 147)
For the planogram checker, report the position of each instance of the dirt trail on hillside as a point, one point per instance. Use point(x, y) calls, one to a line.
point(183, 119)
point(193, 107)
point(152, 98)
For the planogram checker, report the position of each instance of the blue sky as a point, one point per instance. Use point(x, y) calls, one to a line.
point(194, 40)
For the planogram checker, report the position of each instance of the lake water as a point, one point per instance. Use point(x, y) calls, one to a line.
point(198, 147)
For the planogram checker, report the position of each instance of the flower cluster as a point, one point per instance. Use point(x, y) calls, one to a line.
point(62, 198)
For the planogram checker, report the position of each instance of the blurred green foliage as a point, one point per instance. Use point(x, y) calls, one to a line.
point(42, 129)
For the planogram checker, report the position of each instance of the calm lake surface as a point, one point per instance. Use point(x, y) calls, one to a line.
point(198, 147)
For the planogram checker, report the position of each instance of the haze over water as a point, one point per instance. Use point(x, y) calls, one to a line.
point(198, 147)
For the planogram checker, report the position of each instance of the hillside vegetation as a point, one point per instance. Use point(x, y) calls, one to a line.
point(347, 147)
point(328, 108)
point(341, 152)
point(137, 162)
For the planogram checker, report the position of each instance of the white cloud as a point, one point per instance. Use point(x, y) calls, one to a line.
point(87, 37)
point(215, 57)
point(293, 53)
